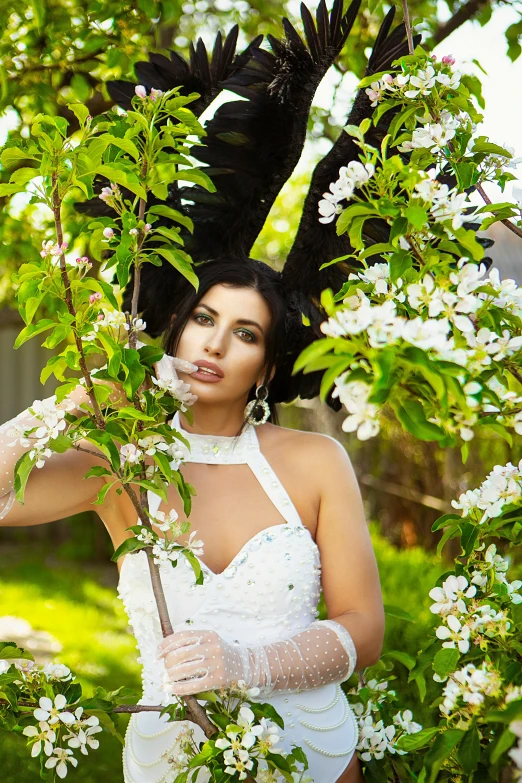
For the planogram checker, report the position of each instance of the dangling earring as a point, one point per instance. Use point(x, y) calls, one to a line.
point(254, 406)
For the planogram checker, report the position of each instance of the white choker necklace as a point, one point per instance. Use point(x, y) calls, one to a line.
point(218, 449)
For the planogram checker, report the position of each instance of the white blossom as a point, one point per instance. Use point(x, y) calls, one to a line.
point(177, 389)
point(44, 736)
point(52, 712)
point(454, 633)
point(471, 685)
point(60, 759)
point(57, 671)
point(130, 455)
point(451, 595)
point(406, 723)
point(364, 415)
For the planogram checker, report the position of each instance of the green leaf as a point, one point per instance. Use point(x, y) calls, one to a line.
point(411, 742)
point(101, 494)
point(129, 545)
point(469, 750)
point(451, 532)
point(179, 261)
point(402, 657)
point(446, 661)
point(15, 155)
point(32, 330)
point(22, 472)
point(23, 175)
point(400, 261)
point(195, 175)
point(312, 351)
point(443, 521)
point(97, 471)
point(10, 190)
point(169, 233)
point(173, 214)
point(127, 179)
point(505, 741)
point(124, 144)
point(80, 111)
point(396, 611)
point(350, 213)
point(132, 413)
point(331, 374)
point(440, 751)
point(416, 215)
point(411, 416)
point(9, 650)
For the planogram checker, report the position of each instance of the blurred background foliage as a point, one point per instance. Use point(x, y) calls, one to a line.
point(58, 577)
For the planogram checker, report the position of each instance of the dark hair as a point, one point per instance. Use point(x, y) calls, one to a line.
point(162, 295)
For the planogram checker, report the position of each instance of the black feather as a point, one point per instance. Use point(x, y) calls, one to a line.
point(317, 243)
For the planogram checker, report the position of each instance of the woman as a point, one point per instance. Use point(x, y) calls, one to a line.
point(280, 515)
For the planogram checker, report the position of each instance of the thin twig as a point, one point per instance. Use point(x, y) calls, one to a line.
point(407, 25)
point(196, 712)
point(507, 223)
point(89, 387)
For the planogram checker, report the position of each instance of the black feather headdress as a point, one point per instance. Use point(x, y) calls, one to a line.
point(251, 149)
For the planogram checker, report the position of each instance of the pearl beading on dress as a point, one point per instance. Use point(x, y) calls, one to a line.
point(268, 592)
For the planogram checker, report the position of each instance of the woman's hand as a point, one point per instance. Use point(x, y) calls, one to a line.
point(198, 661)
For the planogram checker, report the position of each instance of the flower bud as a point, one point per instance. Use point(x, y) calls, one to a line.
point(108, 232)
point(95, 297)
point(155, 94)
point(133, 231)
point(140, 91)
point(448, 59)
point(146, 228)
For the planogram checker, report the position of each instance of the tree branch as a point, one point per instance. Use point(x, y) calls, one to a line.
point(407, 25)
point(463, 15)
point(507, 223)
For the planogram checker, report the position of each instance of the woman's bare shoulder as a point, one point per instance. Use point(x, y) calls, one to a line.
point(305, 445)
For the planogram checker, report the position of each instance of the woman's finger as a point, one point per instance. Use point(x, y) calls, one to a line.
point(188, 672)
point(177, 640)
point(189, 688)
point(177, 657)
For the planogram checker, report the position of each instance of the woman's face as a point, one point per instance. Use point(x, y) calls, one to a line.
point(228, 329)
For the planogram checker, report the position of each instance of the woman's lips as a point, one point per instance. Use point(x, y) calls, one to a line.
point(206, 377)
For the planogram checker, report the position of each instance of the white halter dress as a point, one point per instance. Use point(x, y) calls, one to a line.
point(269, 592)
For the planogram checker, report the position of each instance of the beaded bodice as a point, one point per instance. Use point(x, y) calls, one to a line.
point(268, 592)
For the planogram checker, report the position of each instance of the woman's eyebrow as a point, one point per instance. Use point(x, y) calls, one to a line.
point(244, 321)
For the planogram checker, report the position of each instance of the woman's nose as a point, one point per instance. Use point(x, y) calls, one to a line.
point(215, 346)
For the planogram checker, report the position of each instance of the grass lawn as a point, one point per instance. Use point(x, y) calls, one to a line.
point(79, 606)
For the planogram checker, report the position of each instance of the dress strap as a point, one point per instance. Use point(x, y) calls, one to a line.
point(240, 450)
point(265, 474)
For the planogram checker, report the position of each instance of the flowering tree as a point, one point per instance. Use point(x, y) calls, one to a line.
point(423, 329)
point(117, 412)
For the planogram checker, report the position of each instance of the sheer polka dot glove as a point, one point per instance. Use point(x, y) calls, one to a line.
point(47, 421)
point(196, 661)
point(200, 661)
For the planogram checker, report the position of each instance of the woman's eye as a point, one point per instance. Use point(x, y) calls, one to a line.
point(202, 315)
point(250, 337)
point(245, 334)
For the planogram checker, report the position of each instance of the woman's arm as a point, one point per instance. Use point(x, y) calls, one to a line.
point(350, 577)
point(53, 491)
